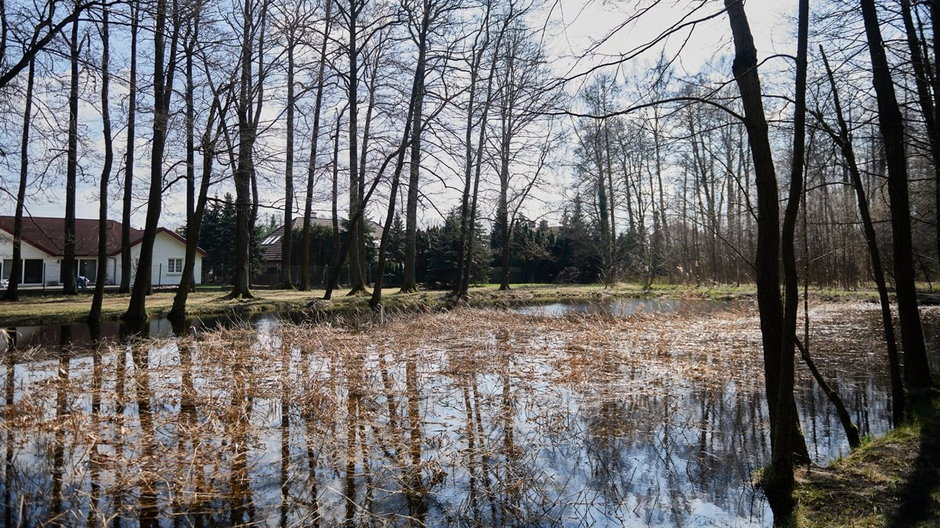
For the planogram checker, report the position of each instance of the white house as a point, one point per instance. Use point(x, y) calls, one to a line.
point(43, 250)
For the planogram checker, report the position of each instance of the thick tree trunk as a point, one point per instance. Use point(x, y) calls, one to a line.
point(245, 168)
point(787, 441)
point(935, 83)
point(190, 125)
point(16, 272)
point(127, 204)
point(357, 282)
point(782, 410)
point(916, 368)
point(924, 100)
point(94, 314)
point(162, 92)
point(69, 271)
point(190, 133)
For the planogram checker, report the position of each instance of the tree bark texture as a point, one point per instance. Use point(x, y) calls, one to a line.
point(916, 368)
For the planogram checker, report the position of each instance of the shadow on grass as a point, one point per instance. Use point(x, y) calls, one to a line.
point(917, 503)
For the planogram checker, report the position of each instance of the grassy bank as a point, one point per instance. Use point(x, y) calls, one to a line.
point(62, 309)
point(890, 481)
point(34, 310)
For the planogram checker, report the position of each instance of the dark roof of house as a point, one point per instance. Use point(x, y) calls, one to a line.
point(271, 244)
point(48, 235)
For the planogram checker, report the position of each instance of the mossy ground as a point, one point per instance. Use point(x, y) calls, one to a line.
point(890, 481)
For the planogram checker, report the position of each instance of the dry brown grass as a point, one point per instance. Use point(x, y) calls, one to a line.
point(385, 422)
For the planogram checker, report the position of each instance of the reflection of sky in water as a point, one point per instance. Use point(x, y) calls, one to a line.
point(623, 307)
point(401, 438)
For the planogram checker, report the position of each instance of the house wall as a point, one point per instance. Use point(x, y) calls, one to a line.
point(28, 251)
point(165, 247)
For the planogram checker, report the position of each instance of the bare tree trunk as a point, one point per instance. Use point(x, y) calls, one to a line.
point(898, 397)
point(502, 208)
point(314, 138)
point(783, 422)
point(935, 84)
point(190, 124)
point(259, 15)
point(94, 314)
point(359, 229)
point(612, 198)
point(916, 368)
point(657, 139)
point(851, 430)
point(162, 92)
point(178, 312)
point(245, 168)
point(356, 219)
point(466, 218)
point(787, 441)
point(475, 162)
point(416, 87)
point(126, 206)
point(337, 259)
point(287, 236)
point(69, 271)
point(357, 283)
point(190, 133)
point(409, 283)
point(921, 80)
point(16, 273)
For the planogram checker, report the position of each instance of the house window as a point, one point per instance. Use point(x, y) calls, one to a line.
point(32, 271)
point(88, 268)
point(174, 265)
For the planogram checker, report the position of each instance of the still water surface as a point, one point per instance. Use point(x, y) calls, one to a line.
point(552, 416)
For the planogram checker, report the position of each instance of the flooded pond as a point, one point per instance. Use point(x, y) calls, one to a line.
point(469, 418)
point(624, 307)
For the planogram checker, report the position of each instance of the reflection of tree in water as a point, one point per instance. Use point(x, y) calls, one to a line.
point(61, 401)
point(9, 440)
point(591, 420)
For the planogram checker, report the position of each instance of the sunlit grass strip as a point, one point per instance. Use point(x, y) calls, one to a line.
point(889, 481)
